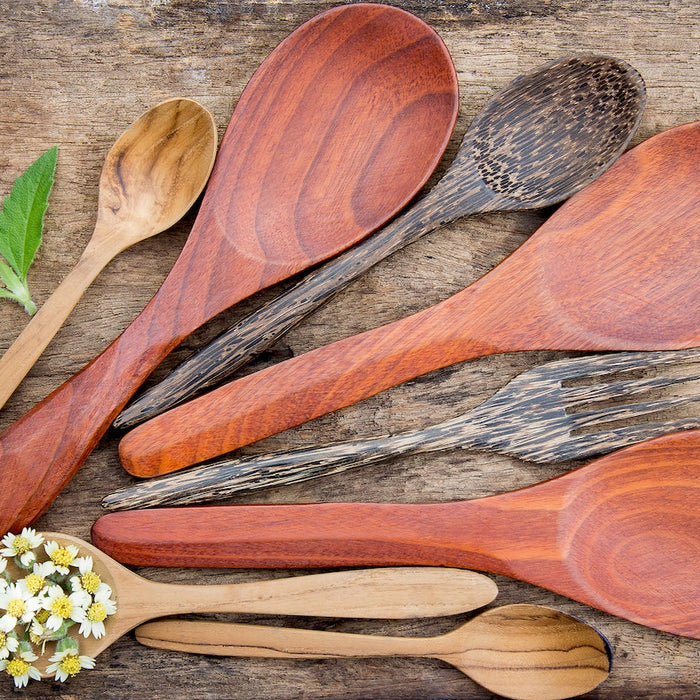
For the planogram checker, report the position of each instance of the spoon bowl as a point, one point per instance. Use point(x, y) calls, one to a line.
point(393, 593)
point(535, 143)
point(151, 177)
point(529, 652)
point(336, 131)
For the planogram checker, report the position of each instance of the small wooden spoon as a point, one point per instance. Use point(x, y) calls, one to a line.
point(151, 177)
point(517, 651)
point(337, 130)
point(617, 267)
point(621, 534)
point(580, 111)
point(392, 593)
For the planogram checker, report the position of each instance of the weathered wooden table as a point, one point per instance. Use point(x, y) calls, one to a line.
point(77, 72)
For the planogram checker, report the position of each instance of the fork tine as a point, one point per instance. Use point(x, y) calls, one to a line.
point(625, 388)
point(592, 444)
point(602, 415)
point(602, 364)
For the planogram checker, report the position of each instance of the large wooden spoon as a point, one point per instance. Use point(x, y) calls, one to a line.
point(617, 267)
point(535, 143)
point(516, 651)
point(621, 534)
point(151, 177)
point(340, 126)
point(392, 593)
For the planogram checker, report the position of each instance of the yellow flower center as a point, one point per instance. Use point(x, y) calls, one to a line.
point(15, 607)
point(34, 583)
point(70, 664)
point(90, 581)
point(17, 667)
point(3, 640)
point(21, 545)
point(62, 557)
point(62, 607)
point(96, 612)
point(42, 616)
point(35, 638)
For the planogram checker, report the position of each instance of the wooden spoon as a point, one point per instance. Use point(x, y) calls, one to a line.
point(556, 106)
point(516, 651)
point(615, 268)
point(340, 126)
point(151, 177)
point(621, 534)
point(393, 593)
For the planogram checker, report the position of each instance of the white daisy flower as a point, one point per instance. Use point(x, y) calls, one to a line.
point(97, 612)
point(19, 605)
point(20, 667)
point(68, 663)
point(88, 580)
point(64, 607)
point(36, 580)
point(8, 644)
point(22, 545)
point(61, 556)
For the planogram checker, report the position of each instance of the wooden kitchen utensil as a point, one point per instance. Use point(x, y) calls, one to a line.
point(537, 416)
point(516, 651)
point(151, 177)
point(580, 112)
point(393, 593)
point(621, 534)
point(336, 131)
point(617, 267)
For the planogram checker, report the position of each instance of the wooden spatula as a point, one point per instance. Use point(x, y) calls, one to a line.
point(621, 534)
point(617, 267)
point(336, 131)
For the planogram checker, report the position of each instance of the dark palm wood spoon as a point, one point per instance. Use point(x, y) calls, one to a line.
point(621, 534)
point(617, 267)
point(337, 130)
point(535, 143)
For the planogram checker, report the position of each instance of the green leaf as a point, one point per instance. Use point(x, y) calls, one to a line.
point(21, 225)
point(22, 215)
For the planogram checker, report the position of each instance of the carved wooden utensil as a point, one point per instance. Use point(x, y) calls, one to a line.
point(335, 132)
point(535, 143)
point(621, 534)
point(393, 593)
point(615, 268)
point(151, 177)
point(516, 651)
point(537, 416)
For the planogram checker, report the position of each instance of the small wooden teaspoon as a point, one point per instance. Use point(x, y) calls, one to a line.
point(392, 593)
point(528, 652)
point(151, 177)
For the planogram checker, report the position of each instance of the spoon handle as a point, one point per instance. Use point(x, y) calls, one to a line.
point(459, 193)
point(38, 333)
point(232, 639)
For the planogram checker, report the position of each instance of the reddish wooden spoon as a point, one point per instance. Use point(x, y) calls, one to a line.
point(336, 131)
point(615, 268)
point(621, 534)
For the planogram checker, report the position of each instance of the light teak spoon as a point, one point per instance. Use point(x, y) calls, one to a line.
point(621, 534)
point(617, 267)
point(338, 128)
point(151, 177)
point(535, 143)
point(516, 651)
point(393, 593)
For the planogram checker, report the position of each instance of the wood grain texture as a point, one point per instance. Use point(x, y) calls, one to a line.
point(615, 268)
point(535, 143)
point(563, 410)
point(621, 534)
point(150, 179)
point(302, 173)
point(77, 73)
point(517, 651)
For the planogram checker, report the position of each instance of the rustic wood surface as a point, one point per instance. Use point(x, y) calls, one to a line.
point(77, 73)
